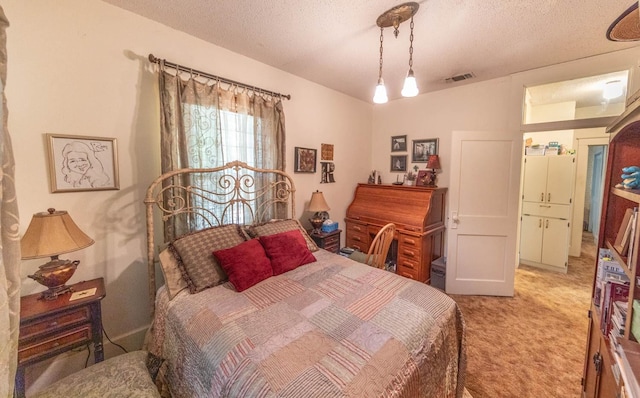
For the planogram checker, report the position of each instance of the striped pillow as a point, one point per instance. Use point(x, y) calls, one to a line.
point(194, 253)
point(279, 226)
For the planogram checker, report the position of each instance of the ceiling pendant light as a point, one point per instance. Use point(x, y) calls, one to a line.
point(380, 96)
point(410, 88)
point(612, 89)
point(394, 17)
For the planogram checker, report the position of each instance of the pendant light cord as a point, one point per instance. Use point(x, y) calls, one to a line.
point(381, 39)
point(410, 46)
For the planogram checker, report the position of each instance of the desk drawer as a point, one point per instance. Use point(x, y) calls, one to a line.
point(356, 228)
point(65, 338)
point(407, 270)
point(53, 323)
point(409, 241)
point(358, 241)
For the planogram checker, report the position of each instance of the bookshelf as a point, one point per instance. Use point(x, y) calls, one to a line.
point(611, 367)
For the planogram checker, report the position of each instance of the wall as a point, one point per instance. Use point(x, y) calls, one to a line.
point(489, 105)
point(80, 67)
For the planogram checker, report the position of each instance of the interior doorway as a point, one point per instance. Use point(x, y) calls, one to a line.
point(593, 192)
point(591, 146)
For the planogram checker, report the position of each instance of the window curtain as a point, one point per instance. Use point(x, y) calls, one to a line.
point(9, 239)
point(205, 125)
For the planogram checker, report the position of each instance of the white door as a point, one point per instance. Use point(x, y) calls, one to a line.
point(483, 206)
point(531, 238)
point(535, 179)
point(555, 242)
point(560, 175)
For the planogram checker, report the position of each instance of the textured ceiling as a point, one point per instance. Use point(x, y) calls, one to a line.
point(336, 42)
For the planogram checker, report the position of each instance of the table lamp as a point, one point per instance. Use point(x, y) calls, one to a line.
point(320, 207)
point(433, 163)
point(50, 234)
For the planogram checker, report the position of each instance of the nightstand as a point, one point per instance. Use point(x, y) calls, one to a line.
point(329, 241)
point(51, 327)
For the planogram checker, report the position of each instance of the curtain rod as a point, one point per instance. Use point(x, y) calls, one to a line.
point(181, 68)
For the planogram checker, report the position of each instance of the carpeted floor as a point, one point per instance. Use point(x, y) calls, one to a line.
point(531, 345)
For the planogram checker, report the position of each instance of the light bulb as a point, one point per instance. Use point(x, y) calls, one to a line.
point(380, 96)
point(410, 88)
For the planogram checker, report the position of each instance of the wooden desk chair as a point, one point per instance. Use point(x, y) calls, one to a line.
point(377, 254)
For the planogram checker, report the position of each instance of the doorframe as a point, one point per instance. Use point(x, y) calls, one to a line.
point(582, 140)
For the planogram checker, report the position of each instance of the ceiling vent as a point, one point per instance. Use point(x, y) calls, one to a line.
point(458, 78)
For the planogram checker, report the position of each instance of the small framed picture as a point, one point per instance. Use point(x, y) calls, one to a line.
point(398, 163)
point(425, 178)
point(80, 163)
point(305, 160)
point(422, 149)
point(399, 143)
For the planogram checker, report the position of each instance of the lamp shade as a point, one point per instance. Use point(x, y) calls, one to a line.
point(317, 202)
point(52, 233)
point(433, 162)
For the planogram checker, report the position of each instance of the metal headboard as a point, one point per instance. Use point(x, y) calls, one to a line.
point(235, 193)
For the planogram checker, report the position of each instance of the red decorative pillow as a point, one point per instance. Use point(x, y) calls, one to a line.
point(246, 264)
point(287, 251)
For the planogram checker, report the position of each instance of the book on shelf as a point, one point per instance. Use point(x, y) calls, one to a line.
point(629, 353)
point(621, 243)
point(632, 237)
point(613, 291)
point(608, 269)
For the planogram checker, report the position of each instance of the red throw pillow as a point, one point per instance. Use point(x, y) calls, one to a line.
point(246, 264)
point(286, 250)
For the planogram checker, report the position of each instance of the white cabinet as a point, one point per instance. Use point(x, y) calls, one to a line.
point(546, 211)
point(548, 179)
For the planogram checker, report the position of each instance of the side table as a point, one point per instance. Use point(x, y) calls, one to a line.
point(50, 327)
point(329, 241)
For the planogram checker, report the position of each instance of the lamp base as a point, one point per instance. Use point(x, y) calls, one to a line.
point(316, 223)
point(54, 275)
point(53, 292)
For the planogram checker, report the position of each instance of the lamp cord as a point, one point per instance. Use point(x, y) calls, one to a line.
point(116, 344)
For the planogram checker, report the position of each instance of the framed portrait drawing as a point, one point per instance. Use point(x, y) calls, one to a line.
point(304, 160)
point(398, 163)
point(422, 149)
point(399, 143)
point(81, 163)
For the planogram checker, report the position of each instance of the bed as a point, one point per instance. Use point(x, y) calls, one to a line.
point(302, 323)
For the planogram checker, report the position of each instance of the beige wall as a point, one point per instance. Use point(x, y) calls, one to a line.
point(80, 67)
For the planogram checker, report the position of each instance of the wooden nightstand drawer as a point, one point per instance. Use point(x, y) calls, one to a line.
point(51, 327)
point(59, 341)
point(53, 323)
point(331, 240)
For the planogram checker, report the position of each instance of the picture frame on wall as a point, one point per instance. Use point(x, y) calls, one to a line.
point(399, 143)
point(82, 163)
point(304, 160)
point(422, 149)
point(398, 163)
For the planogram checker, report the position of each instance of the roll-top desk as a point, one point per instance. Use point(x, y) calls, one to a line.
point(417, 212)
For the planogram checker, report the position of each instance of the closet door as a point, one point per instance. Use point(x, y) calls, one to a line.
point(535, 179)
point(555, 242)
point(560, 174)
point(531, 238)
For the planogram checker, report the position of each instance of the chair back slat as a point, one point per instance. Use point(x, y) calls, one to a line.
point(380, 246)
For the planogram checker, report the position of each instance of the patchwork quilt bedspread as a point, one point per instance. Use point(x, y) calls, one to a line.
point(333, 328)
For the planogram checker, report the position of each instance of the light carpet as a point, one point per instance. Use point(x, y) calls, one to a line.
point(531, 345)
